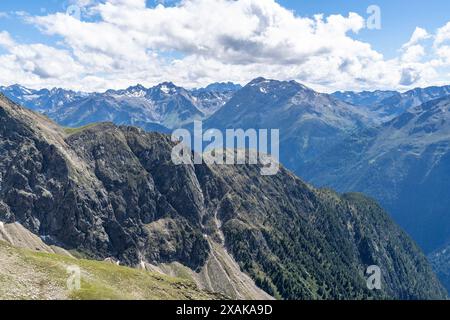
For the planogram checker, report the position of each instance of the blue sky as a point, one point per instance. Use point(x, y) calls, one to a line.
point(19, 21)
point(399, 17)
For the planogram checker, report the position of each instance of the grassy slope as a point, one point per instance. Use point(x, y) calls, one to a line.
point(26, 274)
point(71, 131)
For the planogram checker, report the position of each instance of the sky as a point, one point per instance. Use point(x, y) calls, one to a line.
point(94, 45)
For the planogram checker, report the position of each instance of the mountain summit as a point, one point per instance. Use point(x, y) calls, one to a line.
point(308, 120)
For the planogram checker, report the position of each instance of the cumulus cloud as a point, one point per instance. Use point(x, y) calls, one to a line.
point(6, 40)
point(34, 64)
point(418, 35)
point(200, 41)
point(442, 35)
point(413, 53)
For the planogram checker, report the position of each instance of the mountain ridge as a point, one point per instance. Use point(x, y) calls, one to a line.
point(161, 107)
point(307, 119)
point(389, 104)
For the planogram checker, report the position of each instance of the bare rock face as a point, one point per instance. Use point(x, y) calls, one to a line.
point(113, 192)
point(93, 193)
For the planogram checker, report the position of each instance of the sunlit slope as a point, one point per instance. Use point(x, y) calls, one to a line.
point(26, 274)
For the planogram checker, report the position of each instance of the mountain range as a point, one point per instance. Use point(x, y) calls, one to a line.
point(389, 104)
point(390, 145)
point(403, 164)
point(112, 192)
point(162, 107)
point(350, 146)
point(307, 119)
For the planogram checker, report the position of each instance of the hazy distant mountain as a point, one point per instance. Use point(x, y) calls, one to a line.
point(43, 100)
point(220, 87)
point(113, 192)
point(440, 260)
point(164, 104)
point(309, 122)
point(368, 99)
point(388, 104)
point(404, 164)
point(214, 96)
point(160, 108)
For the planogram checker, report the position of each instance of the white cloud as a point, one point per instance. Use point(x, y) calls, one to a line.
point(6, 40)
point(413, 53)
point(218, 40)
point(418, 35)
point(36, 64)
point(442, 35)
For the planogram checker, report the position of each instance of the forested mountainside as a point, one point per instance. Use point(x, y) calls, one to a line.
point(404, 164)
